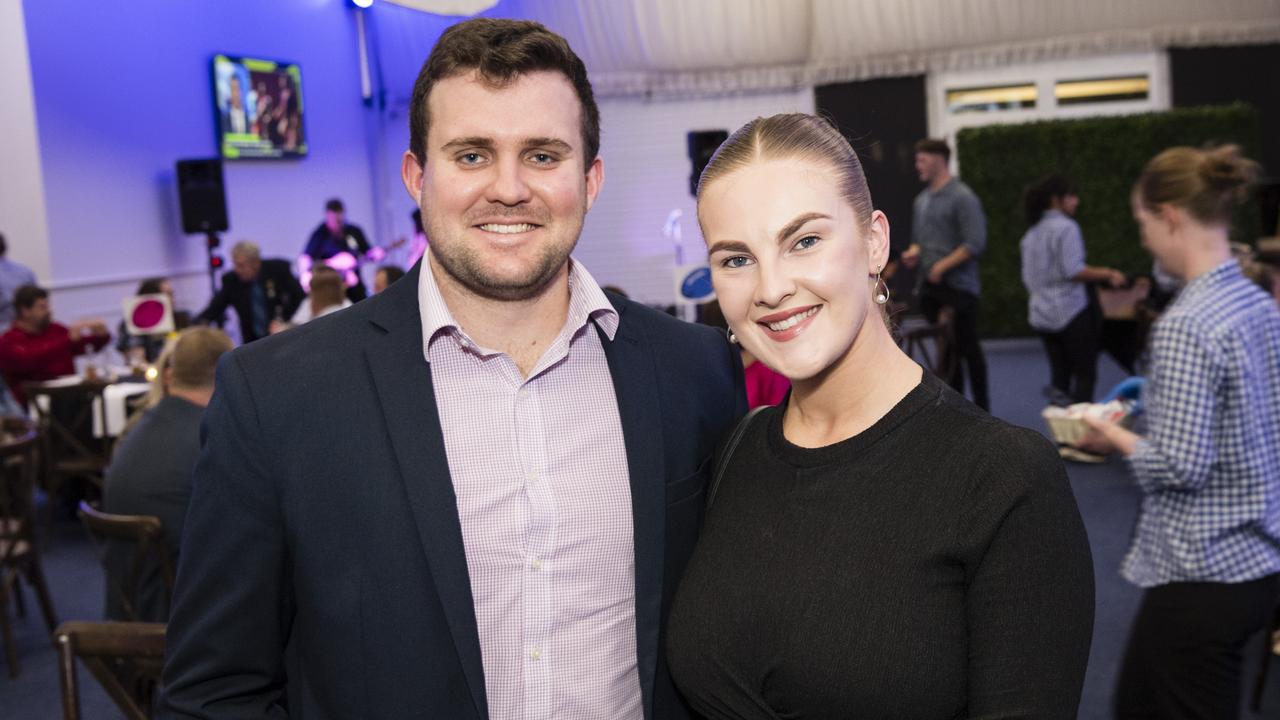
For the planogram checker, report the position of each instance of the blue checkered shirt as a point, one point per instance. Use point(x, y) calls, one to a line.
point(1209, 467)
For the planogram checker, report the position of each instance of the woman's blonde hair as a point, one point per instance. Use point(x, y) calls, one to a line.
point(1207, 183)
point(326, 289)
point(794, 135)
point(797, 135)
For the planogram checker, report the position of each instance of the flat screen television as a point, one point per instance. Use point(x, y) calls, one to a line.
point(259, 108)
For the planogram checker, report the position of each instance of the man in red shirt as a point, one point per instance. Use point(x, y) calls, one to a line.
point(36, 348)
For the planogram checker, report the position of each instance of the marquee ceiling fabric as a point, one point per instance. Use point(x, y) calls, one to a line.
point(693, 47)
point(689, 48)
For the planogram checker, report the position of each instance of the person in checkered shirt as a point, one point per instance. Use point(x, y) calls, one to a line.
point(1207, 544)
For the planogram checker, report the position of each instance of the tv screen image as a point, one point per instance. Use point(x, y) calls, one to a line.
point(259, 104)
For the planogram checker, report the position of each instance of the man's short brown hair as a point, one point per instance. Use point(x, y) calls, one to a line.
point(934, 146)
point(27, 295)
point(501, 51)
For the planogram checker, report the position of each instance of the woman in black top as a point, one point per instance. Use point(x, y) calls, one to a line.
point(879, 547)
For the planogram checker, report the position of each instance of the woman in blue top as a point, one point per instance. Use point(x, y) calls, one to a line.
point(1207, 545)
point(1055, 274)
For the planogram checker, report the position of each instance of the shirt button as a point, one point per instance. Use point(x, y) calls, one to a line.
point(537, 563)
point(536, 654)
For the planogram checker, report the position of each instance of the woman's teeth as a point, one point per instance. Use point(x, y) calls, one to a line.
point(793, 320)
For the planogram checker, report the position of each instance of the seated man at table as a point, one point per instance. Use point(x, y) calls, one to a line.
point(150, 472)
point(35, 348)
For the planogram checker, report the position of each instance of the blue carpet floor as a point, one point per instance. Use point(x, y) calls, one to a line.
point(1018, 371)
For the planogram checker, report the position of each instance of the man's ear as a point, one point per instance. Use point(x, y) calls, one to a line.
point(411, 173)
point(595, 179)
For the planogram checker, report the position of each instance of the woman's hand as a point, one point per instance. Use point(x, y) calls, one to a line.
point(1105, 437)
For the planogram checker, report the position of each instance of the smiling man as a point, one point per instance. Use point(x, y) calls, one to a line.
point(471, 495)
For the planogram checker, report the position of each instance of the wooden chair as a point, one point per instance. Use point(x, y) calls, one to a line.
point(125, 657)
point(930, 344)
point(145, 534)
point(19, 553)
point(66, 416)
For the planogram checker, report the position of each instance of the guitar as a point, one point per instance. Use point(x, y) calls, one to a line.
point(346, 263)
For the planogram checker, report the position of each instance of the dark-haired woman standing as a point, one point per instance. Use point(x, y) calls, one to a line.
point(1055, 274)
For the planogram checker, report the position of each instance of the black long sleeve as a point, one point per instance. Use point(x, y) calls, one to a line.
point(933, 566)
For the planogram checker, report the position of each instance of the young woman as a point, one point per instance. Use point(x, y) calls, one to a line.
point(1055, 275)
point(879, 546)
point(1207, 545)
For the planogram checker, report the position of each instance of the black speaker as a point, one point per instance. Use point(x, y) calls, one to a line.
point(702, 145)
point(200, 193)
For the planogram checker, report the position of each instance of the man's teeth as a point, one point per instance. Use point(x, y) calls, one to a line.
point(507, 229)
point(793, 320)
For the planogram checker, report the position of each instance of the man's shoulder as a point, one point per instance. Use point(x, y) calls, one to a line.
point(659, 326)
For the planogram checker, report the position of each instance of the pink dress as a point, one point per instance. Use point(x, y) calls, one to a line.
point(764, 386)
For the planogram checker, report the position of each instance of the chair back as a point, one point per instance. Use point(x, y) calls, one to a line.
point(125, 657)
point(66, 415)
point(145, 534)
point(18, 461)
point(931, 344)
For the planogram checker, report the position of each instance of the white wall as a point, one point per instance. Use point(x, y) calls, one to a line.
point(647, 168)
point(22, 218)
point(122, 90)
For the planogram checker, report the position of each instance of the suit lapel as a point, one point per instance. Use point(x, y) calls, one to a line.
point(402, 377)
point(631, 364)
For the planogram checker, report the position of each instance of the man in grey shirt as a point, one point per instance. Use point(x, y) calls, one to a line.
point(151, 469)
point(948, 235)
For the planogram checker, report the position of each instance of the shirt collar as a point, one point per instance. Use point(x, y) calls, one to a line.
point(587, 302)
point(1227, 270)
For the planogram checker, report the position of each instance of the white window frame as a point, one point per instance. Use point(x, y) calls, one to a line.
point(944, 124)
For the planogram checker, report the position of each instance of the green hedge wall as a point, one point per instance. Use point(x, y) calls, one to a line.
point(1103, 156)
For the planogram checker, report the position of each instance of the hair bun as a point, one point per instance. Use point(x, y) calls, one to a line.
point(1225, 169)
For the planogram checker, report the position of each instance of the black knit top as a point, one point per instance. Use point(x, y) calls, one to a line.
point(932, 566)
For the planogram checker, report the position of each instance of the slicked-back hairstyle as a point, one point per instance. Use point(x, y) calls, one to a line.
point(1207, 183)
point(934, 146)
point(794, 135)
point(501, 51)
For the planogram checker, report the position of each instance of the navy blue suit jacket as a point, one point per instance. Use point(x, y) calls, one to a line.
point(323, 573)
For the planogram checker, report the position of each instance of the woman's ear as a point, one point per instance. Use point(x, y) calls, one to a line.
point(877, 242)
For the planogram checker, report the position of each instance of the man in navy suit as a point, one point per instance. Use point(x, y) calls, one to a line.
point(472, 495)
point(262, 292)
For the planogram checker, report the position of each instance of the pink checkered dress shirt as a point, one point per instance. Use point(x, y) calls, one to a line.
point(539, 469)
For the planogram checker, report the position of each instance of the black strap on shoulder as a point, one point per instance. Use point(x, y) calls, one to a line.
point(738, 431)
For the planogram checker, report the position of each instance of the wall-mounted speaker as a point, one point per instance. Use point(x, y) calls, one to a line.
point(702, 145)
point(201, 196)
